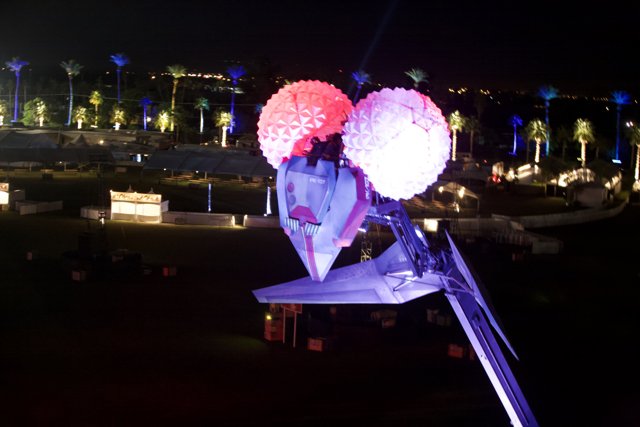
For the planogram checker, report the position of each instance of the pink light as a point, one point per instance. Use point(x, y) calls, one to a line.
point(295, 114)
point(400, 139)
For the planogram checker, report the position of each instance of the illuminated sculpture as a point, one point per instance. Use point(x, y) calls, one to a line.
point(323, 199)
point(295, 114)
point(400, 139)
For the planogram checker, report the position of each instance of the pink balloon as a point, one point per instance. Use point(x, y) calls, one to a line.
point(297, 113)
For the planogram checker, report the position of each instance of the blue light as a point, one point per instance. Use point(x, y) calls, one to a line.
point(616, 161)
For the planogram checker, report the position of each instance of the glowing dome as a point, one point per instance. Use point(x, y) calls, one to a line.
point(400, 139)
point(295, 114)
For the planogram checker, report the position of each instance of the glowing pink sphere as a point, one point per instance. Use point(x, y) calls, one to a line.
point(400, 139)
point(295, 114)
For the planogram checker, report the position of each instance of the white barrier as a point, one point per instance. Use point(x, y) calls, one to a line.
point(29, 207)
point(93, 212)
point(261, 221)
point(199, 218)
point(566, 218)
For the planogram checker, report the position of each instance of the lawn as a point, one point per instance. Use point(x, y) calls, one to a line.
point(127, 348)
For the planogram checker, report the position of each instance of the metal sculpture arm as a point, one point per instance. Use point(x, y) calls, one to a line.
point(322, 205)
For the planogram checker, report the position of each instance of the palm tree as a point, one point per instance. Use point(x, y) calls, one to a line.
point(16, 65)
point(235, 72)
point(73, 69)
point(35, 112)
point(564, 135)
point(634, 140)
point(456, 123)
point(472, 125)
point(223, 120)
point(516, 121)
point(117, 116)
point(619, 98)
point(96, 100)
point(177, 71)
point(361, 77)
point(418, 76)
point(536, 130)
point(163, 120)
point(202, 104)
point(583, 133)
point(80, 115)
point(547, 93)
point(144, 103)
point(41, 111)
point(3, 112)
point(120, 59)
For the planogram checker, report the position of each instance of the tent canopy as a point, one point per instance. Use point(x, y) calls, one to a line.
point(214, 161)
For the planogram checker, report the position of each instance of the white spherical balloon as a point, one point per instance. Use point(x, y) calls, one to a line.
point(400, 139)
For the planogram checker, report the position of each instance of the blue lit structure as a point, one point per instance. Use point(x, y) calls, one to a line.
point(235, 72)
point(547, 93)
point(361, 77)
point(144, 103)
point(516, 121)
point(16, 65)
point(619, 98)
point(120, 59)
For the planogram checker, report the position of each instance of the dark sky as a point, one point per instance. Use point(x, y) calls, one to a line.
point(574, 46)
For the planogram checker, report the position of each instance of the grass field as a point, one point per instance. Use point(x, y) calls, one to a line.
point(127, 348)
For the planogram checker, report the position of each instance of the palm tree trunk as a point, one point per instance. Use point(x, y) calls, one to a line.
point(224, 136)
point(173, 104)
point(637, 172)
point(201, 121)
point(233, 104)
point(357, 95)
point(70, 100)
point(547, 122)
point(618, 133)
point(515, 139)
point(96, 115)
point(454, 143)
point(537, 156)
point(583, 153)
point(118, 71)
point(15, 102)
point(144, 117)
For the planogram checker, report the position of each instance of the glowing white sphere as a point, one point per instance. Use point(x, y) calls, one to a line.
point(400, 139)
point(298, 112)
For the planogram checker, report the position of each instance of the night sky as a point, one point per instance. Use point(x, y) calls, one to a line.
point(493, 45)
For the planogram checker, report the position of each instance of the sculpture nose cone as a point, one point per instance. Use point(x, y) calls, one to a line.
point(317, 253)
